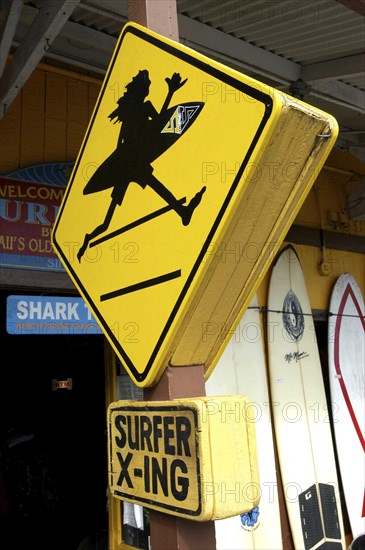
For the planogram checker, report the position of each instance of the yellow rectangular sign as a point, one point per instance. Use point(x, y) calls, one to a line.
point(193, 458)
point(182, 161)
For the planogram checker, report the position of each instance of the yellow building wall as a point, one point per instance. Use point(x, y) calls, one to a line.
point(320, 287)
point(48, 120)
point(326, 204)
point(325, 208)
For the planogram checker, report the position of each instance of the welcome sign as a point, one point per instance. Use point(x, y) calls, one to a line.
point(27, 213)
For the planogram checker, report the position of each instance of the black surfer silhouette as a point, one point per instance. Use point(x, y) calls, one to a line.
point(145, 134)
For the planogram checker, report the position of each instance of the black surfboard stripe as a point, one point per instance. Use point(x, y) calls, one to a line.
point(310, 517)
point(330, 512)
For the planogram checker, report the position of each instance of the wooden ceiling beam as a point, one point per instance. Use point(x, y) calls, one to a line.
point(51, 17)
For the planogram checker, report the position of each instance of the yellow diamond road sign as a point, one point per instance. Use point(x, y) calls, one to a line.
point(154, 183)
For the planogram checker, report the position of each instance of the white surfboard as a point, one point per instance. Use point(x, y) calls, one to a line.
point(346, 360)
point(241, 370)
point(300, 412)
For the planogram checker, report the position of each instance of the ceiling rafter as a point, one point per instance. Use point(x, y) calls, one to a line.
point(356, 5)
point(334, 69)
point(206, 38)
point(341, 93)
point(11, 10)
point(51, 17)
point(262, 62)
point(243, 54)
point(51, 33)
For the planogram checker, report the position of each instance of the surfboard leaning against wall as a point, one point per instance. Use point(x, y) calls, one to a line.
point(346, 363)
point(300, 412)
point(242, 370)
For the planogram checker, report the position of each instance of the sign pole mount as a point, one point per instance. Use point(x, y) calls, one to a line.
point(169, 531)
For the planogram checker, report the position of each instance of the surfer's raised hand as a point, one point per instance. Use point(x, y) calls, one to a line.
point(174, 83)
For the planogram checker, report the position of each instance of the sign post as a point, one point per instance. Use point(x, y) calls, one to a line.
point(168, 531)
point(171, 531)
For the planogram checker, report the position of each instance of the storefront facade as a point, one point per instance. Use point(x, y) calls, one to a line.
point(56, 386)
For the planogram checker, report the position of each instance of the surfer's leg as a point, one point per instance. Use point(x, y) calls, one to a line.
point(184, 211)
point(189, 209)
point(98, 230)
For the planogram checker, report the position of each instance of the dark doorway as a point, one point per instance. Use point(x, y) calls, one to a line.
point(53, 452)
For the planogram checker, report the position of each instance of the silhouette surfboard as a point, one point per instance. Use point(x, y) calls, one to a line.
point(160, 134)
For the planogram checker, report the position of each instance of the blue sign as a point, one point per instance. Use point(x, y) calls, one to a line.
point(49, 315)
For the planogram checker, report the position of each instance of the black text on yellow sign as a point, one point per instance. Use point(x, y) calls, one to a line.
point(161, 455)
point(157, 454)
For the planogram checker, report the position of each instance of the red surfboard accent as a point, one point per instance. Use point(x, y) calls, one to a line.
point(346, 295)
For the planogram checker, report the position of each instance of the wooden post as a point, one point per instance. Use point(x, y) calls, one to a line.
point(170, 532)
point(158, 15)
point(167, 531)
point(114, 510)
